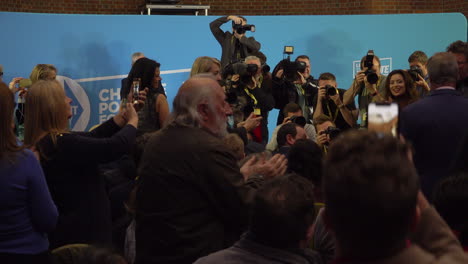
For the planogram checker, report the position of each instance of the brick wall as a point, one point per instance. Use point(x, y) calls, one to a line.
point(245, 7)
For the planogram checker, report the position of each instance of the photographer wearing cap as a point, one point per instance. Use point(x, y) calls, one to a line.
point(235, 46)
point(367, 85)
point(292, 83)
point(329, 102)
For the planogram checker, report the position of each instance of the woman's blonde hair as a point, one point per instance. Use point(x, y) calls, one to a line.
point(45, 112)
point(203, 65)
point(42, 72)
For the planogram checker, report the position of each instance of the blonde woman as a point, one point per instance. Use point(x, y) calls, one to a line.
point(70, 162)
point(27, 211)
point(206, 64)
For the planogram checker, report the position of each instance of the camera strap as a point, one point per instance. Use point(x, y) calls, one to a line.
point(333, 117)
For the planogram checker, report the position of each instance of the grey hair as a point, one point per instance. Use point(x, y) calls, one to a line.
point(442, 68)
point(253, 58)
point(136, 56)
point(184, 106)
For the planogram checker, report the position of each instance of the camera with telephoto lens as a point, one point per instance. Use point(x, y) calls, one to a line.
point(332, 132)
point(300, 120)
point(371, 75)
point(330, 90)
point(241, 29)
point(414, 72)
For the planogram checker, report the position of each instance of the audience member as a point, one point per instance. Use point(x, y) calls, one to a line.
point(235, 144)
point(292, 113)
point(235, 46)
point(300, 88)
point(155, 109)
point(366, 91)
point(329, 102)
point(206, 64)
point(460, 50)
point(451, 201)
point(400, 88)
point(99, 255)
point(281, 216)
point(436, 124)
point(418, 63)
point(27, 211)
point(305, 159)
point(70, 162)
point(191, 199)
point(373, 202)
point(19, 84)
point(287, 136)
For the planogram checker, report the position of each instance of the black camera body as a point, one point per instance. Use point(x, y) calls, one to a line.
point(241, 29)
point(414, 72)
point(371, 75)
point(300, 120)
point(333, 132)
point(330, 90)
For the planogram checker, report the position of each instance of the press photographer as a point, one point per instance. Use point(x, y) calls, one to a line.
point(248, 87)
point(329, 103)
point(367, 85)
point(292, 83)
point(326, 132)
point(235, 46)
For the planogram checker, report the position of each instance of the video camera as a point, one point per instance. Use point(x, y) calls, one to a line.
point(241, 29)
point(290, 68)
point(414, 72)
point(371, 75)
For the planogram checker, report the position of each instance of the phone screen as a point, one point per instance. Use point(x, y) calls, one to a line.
point(383, 117)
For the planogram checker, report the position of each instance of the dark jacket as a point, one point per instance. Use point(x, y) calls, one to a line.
point(71, 171)
point(285, 92)
point(191, 199)
point(248, 45)
point(435, 125)
point(248, 251)
point(433, 242)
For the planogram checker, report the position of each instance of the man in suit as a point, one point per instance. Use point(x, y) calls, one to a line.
point(436, 124)
point(374, 207)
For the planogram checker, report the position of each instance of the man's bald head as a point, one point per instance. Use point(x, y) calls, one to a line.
point(200, 103)
point(443, 70)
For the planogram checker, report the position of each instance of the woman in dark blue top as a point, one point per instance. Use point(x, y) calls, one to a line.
point(70, 162)
point(27, 211)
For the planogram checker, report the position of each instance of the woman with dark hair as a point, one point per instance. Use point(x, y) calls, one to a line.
point(70, 162)
point(400, 88)
point(156, 109)
point(27, 211)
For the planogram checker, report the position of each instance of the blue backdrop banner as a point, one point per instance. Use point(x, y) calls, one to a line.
point(92, 52)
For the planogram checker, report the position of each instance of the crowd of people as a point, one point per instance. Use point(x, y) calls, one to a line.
point(204, 183)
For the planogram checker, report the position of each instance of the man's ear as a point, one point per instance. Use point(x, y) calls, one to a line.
point(290, 139)
point(202, 109)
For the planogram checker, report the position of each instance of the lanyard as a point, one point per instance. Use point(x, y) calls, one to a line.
point(333, 117)
point(251, 96)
